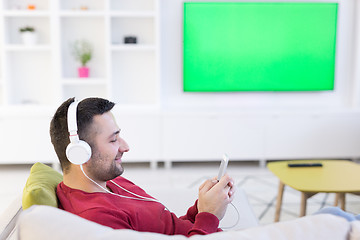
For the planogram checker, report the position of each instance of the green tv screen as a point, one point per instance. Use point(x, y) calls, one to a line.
point(259, 46)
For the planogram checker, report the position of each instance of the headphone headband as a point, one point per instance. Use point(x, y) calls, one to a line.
point(78, 151)
point(72, 121)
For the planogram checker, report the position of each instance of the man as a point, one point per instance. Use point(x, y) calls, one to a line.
point(95, 190)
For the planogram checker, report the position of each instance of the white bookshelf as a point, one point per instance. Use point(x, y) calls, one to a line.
point(27, 71)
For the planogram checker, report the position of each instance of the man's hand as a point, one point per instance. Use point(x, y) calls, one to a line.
point(214, 196)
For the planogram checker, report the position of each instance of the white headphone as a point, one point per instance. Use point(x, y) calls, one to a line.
point(78, 151)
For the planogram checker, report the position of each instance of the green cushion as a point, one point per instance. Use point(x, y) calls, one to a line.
point(40, 188)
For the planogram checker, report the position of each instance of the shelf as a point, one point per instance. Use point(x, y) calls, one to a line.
point(84, 81)
point(135, 14)
point(137, 108)
point(77, 5)
point(26, 13)
point(133, 47)
point(21, 47)
point(26, 109)
point(82, 13)
point(133, 5)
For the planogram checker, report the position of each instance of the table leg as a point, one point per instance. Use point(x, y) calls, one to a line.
point(304, 198)
point(336, 202)
point(341, 197)
point(279, 200)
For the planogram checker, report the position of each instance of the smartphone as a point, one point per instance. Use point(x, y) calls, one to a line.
point(223, 166)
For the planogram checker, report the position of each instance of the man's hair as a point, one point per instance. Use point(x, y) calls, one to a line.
point(86, 110)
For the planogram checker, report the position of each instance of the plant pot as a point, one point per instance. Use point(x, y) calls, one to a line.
point(29, 38)
point(83, 72)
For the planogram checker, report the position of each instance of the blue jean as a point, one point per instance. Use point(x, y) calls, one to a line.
point(338, 212)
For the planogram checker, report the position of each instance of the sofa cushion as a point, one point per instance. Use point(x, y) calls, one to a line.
point(40, 188)
point(43, 222)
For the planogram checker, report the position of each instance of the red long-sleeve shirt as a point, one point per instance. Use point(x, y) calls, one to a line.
point(121, 213)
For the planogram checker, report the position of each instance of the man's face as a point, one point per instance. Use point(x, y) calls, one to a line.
point(107, 150)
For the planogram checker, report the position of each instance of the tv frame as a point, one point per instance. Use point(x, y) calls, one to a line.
point(258, 89)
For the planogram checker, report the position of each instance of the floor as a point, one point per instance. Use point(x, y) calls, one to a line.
point(259, 184)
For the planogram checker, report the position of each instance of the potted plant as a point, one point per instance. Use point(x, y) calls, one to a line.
point(82, 51)
point(28, 35)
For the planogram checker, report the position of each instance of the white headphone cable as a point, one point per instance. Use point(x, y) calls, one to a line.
point(237, 220)
point(141, 198)
point(226, 227)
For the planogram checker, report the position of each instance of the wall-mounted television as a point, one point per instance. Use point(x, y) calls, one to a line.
point(259, 46)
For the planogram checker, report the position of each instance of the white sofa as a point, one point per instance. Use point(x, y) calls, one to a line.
point(44, 223)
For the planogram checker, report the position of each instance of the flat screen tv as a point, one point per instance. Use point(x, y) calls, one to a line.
point(259, 46)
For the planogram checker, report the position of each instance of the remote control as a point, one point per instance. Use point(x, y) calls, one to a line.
point(304, 165)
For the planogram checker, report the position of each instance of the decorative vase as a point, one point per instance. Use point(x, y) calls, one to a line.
point(29, 38)
point(83, 72)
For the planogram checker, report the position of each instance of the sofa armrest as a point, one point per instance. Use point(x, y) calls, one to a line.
point(8, 219)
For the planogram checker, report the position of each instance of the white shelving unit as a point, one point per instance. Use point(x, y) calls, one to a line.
point(27, 71)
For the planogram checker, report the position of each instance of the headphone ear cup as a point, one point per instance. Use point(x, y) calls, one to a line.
point(78, 153)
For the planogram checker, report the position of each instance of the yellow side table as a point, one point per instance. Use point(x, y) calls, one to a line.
point(335, 176)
